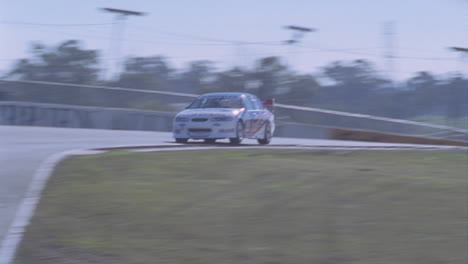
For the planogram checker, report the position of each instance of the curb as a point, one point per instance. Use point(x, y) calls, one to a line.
point(29, 203)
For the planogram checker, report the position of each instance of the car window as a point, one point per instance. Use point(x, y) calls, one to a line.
point(248, 103)
point(256, 103)
point(216, 102)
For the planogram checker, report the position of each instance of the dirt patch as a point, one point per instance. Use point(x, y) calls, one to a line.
point(360, 135)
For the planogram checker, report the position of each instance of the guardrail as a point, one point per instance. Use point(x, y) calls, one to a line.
point(308, 116)
point(55, 115)
point(348, 120)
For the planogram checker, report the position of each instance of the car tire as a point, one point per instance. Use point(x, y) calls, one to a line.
point(267, 135)
point(181, 140)
point(210, 140)
point(239, 134)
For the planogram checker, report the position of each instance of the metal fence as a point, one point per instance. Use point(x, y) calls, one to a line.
point(338, 119)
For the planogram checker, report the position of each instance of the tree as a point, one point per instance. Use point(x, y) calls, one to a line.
point(198, 78)
point(356, 87)
point(67, 62)
point(423, 89)
point(272, 75)
point(233, 80)
point(152, 73)
point(457, 97)
point(358, 71)
point(301, 90)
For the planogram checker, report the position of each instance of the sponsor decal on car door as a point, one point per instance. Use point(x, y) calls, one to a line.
point(256, 117)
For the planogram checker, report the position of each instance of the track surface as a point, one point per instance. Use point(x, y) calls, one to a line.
point(22, 149)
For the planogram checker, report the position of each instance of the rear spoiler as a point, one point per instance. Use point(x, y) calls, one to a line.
point(269, 104)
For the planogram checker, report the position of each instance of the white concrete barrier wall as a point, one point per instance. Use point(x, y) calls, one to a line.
point(56, 115)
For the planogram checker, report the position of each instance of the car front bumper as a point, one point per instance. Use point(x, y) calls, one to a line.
point(215, 130)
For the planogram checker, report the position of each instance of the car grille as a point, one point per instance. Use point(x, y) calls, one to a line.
point(199, 119)
point(207, 130)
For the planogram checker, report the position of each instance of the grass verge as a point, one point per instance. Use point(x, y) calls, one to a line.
point(253, 206)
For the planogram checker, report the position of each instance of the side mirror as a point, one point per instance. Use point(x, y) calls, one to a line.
point(269, 104)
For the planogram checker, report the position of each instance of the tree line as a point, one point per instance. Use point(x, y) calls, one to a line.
point(352, 86)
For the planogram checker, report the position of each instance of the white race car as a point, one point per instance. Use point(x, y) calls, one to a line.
point(225, 115)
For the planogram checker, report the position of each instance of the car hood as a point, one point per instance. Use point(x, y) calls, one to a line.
point(210, 112)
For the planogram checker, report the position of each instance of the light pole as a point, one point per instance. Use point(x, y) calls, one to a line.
point(463, 52)
point(116, 36)
point(459, 49)
point(298, 34)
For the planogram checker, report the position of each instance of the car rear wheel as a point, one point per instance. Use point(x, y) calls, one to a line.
point(267, 136)
point(239, 134)
point(181, 140)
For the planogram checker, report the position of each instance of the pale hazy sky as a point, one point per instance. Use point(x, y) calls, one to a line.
point(238, 32)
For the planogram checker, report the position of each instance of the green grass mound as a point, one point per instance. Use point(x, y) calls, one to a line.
point(252, 206)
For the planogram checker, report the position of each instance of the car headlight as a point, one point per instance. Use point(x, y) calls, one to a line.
point(181, 119)
point(222, 118)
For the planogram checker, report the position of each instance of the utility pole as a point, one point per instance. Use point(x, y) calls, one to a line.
point(117, 37)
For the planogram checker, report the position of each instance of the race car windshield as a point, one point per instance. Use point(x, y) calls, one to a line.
point(216, 102)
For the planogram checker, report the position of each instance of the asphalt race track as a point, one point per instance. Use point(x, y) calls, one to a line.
point(24, 148)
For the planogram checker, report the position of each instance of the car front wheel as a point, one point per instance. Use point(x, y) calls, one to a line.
point(181, 140)
point(239, 134)
point(267, 135)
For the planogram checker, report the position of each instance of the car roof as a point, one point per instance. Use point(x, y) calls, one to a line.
point(225, 94)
